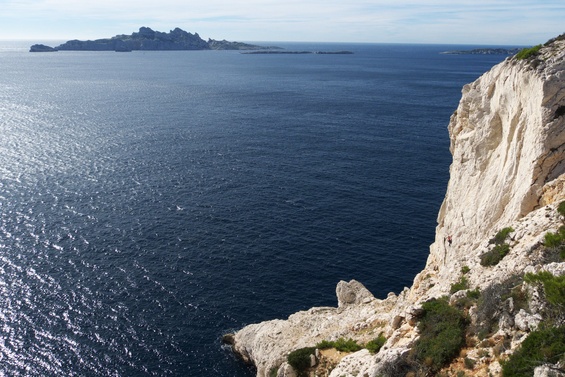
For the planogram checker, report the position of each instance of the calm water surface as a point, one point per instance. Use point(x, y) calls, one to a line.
point(152, 201)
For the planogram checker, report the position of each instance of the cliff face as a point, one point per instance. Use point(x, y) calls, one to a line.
point(508, 145)
point(507, 142)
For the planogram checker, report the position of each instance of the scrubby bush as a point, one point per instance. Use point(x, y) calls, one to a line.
point(492, 257)
point(375, 345)
point(490, 304)
point(501, 236)
point(474, 294)
point(273, 372)
point(527, 53)
point(468, 300)
point(556, 241)
point(553, 287)
point(469, 363)
point(299, 359)
point(465, 270)
point(442, 334)
point(347, 345)
point(500, 250)
point(544, 346)
point(552, 240)
point(462, 284)
point(325, 344)
point(561, 208)
point(342, 345)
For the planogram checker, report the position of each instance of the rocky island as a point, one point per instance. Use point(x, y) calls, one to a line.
point(484, 51)
point(491, 298)
point(147, 39)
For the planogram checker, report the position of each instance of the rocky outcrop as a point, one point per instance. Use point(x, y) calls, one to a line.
point(227, 45)
point(508, 170)
point(484, 51)
point(148, 39)
point(41, 48)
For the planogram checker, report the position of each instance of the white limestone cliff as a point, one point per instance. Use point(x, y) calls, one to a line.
point(508, 170)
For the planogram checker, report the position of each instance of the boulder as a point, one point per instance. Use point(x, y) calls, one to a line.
point(352, 293)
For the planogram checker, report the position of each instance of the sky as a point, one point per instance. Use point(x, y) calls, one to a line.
point(503, 22)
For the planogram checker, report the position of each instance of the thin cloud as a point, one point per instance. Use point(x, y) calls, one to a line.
point(431, 21)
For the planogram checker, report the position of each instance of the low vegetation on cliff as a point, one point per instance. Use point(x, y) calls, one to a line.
point(442, 335)
point(500, 250)
point(528, 52)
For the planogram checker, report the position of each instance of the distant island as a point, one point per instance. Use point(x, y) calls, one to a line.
point(147, 39)
point(484, 51)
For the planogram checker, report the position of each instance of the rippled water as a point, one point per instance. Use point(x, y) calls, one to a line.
point(152, 201)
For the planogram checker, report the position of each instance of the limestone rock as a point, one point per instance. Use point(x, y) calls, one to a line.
point(286, 370)
point(266, 344)
point(352, 293)
point(527, 322)
point(549, 371)
point(356, 364)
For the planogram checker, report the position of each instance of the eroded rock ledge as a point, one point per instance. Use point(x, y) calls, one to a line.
point(508, 171)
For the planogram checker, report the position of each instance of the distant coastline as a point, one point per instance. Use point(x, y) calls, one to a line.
point(147, 39)
point(484, 51)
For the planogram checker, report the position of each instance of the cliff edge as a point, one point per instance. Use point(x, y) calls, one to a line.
point(507, 180)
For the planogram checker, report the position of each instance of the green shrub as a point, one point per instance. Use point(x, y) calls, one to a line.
point(561, 208)
point(554, 292)
point(342, 345)
point(273, 372)
point(375, 345)
point(325, 344)
point(501, 236)
point(460, 285)
point(552, 240)
point(553, 286)
point(474, 294)
point(465, 270)
point(469, 363)
point(489, 305)
point(556, 241)
point(347, 345)
point(299, 359)
point(468, 300)
point(442, 334)
point(527, 53)
point(499, 251)
point(544, 346)
point(492, 257)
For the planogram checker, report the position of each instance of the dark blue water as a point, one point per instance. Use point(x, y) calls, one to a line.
point(152, 201)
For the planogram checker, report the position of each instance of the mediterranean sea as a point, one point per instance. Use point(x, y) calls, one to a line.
point(152, 201)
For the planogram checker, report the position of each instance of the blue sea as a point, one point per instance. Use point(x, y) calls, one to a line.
point(152, 201)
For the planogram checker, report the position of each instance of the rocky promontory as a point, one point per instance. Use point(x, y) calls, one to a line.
point(484, 51)
point(491, 298)
point(147, 39)
point(41, 48)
